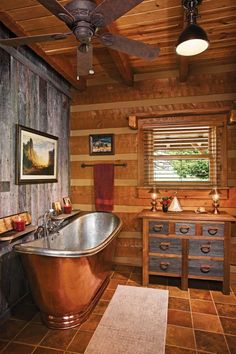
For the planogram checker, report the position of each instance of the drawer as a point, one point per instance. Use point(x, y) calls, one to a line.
point(183, 228)
point(213, 229)
point(165, 245)
point(158, 227)
point(165, 265)
point(206, 248)
point(207, 268)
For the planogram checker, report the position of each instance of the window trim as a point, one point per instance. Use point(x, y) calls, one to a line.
point(218, 120)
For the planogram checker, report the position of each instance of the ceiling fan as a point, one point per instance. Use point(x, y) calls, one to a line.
point(84, 19)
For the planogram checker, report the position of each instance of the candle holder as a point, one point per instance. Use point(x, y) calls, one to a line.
point(67, 208)
point(154, 193)
point(19, 224)
point(215, 195)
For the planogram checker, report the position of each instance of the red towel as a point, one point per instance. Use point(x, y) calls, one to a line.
point(103, 186)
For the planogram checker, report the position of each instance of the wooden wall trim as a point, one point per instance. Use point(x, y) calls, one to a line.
point(35, 69)
point(86, 132)
point(103, 158)
point(153, 102)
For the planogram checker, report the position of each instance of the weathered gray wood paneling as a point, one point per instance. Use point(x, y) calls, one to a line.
point(32, 101)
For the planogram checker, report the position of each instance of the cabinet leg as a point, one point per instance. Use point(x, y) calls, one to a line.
point(184, 283)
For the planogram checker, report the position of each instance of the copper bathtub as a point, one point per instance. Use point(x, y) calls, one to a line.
point(69, 271)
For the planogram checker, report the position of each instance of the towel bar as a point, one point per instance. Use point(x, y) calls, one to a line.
point(83, 165)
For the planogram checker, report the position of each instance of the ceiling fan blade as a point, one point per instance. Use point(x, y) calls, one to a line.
point(84, 60)
point(130, 46)
point(58, 10)
point(14, 42)
point(109, 10)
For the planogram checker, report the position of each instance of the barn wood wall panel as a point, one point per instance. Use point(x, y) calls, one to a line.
point(97, 111)
point(29, 100)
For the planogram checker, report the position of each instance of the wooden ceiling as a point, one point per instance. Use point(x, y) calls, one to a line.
point(157, 22)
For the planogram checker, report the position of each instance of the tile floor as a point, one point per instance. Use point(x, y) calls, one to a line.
point(200, 320)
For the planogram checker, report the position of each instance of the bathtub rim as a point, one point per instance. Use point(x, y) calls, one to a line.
point(24, 249)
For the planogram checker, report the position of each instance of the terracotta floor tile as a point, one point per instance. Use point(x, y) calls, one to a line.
point(226, 310)
point(177, 350)
point(121, 275)
point(224, 299)
point(92, 323)
point(11, 328)
point(177, 292)
point(229, 325)
point(179, 304)
point(113, 283)
point(202, 306)
point(37, 318)
point(80, 342)
point(41, 350)
point(58, 339)
point(3, 344)
point(18, 348)
point(200, 294)
point(133, 283)
point(209, 323)
point(211, 342)
point(231, 340)
point(107, 295)
point(33, 333)
point(179, 318)
point(180, 336)
point(24, 312)
point(158, 286)
point(101, 307)
point(136, 277)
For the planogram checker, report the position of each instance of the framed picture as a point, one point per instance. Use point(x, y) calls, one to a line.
point(57, 207)
point(101, 144)
point(66, 201)
point(36, 156)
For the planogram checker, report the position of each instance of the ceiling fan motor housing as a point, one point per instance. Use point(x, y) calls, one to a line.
point(82, 27)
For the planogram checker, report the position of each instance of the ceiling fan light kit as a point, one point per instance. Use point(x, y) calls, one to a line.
point(193, 40)
point(84, 19)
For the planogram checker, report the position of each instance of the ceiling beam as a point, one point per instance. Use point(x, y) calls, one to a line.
point(56, 63)
point(121, 60)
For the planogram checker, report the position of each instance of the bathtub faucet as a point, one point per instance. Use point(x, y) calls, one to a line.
point(48, 225)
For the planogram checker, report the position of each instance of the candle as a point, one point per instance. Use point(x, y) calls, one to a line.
point(67, 208)
point(19, 224)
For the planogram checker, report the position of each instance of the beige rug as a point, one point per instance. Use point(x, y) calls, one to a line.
point(134, 323)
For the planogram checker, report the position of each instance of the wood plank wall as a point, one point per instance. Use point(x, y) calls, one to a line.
point(33, 96)
point(104, 109)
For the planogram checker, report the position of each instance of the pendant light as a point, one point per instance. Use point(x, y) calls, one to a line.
point(193, 40)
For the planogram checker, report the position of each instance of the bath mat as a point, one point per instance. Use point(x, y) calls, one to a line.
point(134, 322)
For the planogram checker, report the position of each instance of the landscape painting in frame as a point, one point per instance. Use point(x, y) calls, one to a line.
point(101, 144)
point(36, 156)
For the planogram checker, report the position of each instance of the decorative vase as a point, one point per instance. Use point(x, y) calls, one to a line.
point(165, 208)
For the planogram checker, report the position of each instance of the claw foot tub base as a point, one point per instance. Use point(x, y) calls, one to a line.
point(69, 271)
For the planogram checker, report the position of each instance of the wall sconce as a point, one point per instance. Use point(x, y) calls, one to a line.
point(193, 40)
point(154, 193)
point(215, 195)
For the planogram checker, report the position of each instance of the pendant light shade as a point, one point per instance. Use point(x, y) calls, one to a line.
point(193, 40)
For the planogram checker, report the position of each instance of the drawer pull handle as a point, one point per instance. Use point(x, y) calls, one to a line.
point(205, 268)
point(157, 228)
point(184, 229)
point(205, 248)
point(212, 231)
point(164, 246)
point(164, 265)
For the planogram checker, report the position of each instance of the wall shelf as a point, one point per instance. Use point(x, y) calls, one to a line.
point(12, 235)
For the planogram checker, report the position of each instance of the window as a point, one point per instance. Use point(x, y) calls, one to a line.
point(182, 153)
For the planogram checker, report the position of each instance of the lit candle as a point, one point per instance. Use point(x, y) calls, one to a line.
point(19, 224)
point(67, 208)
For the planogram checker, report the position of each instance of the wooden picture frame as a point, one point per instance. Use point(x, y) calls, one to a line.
point(101, 144)
point(66, 201)
point(57, 207)
point(36, 156)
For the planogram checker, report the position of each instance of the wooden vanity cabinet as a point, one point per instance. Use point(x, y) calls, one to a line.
point(187, 245)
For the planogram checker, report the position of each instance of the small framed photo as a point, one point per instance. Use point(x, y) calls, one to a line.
point(36, 156)
point(101, 144)
point(57, 207)
point(66, 201)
